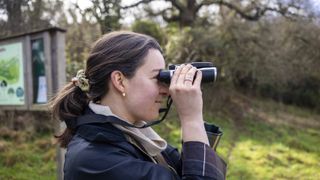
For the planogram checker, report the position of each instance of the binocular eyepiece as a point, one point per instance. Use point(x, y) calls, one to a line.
point(209, 72)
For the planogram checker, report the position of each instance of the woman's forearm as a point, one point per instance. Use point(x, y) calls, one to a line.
point(194, 130)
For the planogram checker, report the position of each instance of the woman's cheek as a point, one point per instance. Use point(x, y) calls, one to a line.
point(152, 88)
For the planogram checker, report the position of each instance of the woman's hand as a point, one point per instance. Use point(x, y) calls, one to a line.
point(185, 91)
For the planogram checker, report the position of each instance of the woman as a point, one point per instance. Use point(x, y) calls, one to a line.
point(118, 92)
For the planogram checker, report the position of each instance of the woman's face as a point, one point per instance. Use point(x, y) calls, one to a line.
point(144, 94)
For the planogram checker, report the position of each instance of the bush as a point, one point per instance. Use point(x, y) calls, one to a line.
point(150, 28)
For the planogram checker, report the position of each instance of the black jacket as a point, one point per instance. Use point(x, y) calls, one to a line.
point(102, 152)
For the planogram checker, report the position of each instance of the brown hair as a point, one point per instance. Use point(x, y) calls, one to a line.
point(121, 50)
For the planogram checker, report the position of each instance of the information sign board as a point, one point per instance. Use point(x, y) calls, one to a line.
point(11, 74)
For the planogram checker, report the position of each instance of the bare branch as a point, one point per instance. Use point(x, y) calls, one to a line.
point(163, 13)
point(209, 2)
point(259, 12)
point(171, 18)
point(154, 14)
point(136, 4)
point(253, 12)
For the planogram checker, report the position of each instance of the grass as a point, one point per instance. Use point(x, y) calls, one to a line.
point(271, 141)
point(264, 151)
point(283, 144)
point(24, 157)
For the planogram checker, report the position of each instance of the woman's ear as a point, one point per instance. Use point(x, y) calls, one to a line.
point(117, 80)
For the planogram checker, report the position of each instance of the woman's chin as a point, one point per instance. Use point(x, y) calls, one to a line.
point(153, 117)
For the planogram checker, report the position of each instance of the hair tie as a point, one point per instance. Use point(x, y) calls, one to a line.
point(81, 81)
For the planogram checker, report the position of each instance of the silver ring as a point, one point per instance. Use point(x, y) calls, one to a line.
point(188, 78)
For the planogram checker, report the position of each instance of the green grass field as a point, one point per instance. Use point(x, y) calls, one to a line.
point(270, 141)
point(26, 155)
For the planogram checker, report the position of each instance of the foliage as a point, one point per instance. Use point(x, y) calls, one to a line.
point(191, 13)
point(268, 60)
point(107, 14)
point(29, 15)
point(274, 58)
point(79, 37)
point(150, 28)
point(193, 44)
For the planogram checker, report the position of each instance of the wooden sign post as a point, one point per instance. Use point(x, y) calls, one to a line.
point(32, 69)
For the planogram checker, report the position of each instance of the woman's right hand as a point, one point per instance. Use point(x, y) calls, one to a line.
point(186, 93)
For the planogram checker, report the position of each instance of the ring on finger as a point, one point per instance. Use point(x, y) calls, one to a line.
point(188, 82)
point(188, 78)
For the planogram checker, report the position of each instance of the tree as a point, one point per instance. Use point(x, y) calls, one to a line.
point(150, 28)
point(28, 15)
point(186, 13)
point(105, 12)
point(13, 10)
point(81, 33)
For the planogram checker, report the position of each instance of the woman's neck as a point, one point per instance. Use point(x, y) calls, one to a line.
point(117, 107)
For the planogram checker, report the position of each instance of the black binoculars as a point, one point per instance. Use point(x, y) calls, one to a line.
point(209, 72)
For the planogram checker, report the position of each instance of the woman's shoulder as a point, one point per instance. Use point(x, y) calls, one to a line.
point(82, 149)
point(105, 159)
point(97, 160)
point(95, 138)
point(100, 141)
point(87, 153)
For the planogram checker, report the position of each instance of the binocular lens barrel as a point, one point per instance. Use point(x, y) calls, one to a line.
point(209, 74)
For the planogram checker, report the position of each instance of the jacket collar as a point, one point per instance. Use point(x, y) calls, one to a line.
point(105, 132)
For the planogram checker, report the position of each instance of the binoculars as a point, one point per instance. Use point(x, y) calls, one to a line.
point(209, 72)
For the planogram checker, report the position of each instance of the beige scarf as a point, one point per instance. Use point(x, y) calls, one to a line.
point(151, 142)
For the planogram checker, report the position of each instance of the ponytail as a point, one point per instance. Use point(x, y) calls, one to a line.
point(67, 105)
point(122, 51)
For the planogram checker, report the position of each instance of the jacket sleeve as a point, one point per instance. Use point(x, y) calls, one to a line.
point(204, 157)
point(199, 161)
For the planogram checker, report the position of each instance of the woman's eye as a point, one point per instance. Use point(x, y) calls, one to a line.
point(155, 77)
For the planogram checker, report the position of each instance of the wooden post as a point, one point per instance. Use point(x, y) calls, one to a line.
point(59, 79)
point(55, 74)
